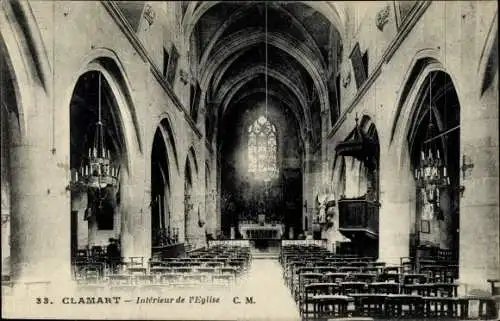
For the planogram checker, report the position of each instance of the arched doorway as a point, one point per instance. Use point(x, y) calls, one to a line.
point(161, 231)
point(434, 146)
point(97, 162)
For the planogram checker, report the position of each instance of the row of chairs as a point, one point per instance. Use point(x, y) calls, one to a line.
point(327, 285)
point(397, 306)
point(219, 266)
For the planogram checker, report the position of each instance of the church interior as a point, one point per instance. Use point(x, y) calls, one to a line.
point(340, 157)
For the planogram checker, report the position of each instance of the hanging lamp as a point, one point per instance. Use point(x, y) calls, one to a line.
point(97, 170)
point(431, 174)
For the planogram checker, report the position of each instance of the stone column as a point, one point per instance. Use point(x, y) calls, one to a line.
point(479, 255)
point(40, 234)
point(394, 214)
point(479, 252)
point(135, 235)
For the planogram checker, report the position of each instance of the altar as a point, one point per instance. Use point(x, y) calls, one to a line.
point(259, 231)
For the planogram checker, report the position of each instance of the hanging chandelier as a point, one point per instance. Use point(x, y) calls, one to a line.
point(97, 170)
point(431, 175)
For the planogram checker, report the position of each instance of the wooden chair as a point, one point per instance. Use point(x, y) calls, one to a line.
point(362, 277)
point(369, 305)
point(222, 279)
point(304, 279)
point(476, 307)
point(404, 306)
point(144, 279)
point(170, 279)
point(444, 290)
point(314, 289)
point(389, 277)
point(335, 277)
point(121, 283)
point(330, 306)
point(383, 288)
point(412, 278)
point(495, 286)
point(184, 269)
point(347, 288)
point(441, 307)
point(421, 289)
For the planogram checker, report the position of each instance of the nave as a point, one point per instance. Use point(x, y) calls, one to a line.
point(175, 144)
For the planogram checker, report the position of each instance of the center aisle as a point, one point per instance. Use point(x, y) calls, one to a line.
point(273, 301)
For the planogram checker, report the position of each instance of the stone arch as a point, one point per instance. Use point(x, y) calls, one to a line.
point(162, 157)
point(408, 138)
point(168, 134)
point(332, 13)
point(423, 64)
point(189, 202)
point(108, 62)
point(488, 61)
point(26, 63)
point(19, 26)
point(282, 42)
point(191, 158)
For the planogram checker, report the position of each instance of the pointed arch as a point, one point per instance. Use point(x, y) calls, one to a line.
point(108, 62)
point(191, 158)
point(18, 23)
point(168, 135)
point(262, 148)
point(488, 62)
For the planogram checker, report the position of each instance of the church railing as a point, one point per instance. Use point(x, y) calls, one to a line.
point(321, 243)
point(240, 243)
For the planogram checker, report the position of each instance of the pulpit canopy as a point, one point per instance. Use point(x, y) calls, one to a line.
point(357, 144)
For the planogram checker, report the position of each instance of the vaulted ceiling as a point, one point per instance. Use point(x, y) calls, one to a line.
point(235, 54)
point(289, 49)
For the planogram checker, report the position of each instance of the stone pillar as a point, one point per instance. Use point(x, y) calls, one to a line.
point(479, 251)
point(394, 214)
point(479, 254)
point(135, 234)
point(40, 235)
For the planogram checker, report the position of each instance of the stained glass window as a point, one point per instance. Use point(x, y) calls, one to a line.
point(262, 149)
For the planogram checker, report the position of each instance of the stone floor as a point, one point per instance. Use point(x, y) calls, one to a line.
point(259, 295)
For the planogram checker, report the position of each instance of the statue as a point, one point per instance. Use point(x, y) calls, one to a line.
point(326, 207)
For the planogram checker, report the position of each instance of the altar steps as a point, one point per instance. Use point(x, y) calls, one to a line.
point(265, 256)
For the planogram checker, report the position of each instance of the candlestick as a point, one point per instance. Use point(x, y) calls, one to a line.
point(444, 171)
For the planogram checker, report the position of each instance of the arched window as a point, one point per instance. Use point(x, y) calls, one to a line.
point(262, 149)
